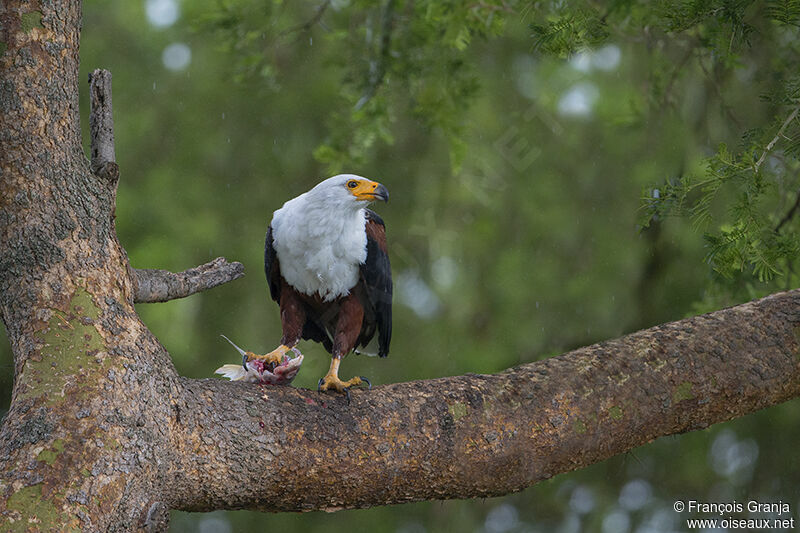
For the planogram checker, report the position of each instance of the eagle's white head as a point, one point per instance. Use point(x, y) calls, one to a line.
point(319, 237)
point(345, 191)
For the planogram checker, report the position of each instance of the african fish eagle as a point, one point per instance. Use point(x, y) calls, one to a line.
point(327, 267)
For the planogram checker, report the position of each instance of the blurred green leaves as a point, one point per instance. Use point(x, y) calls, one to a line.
point(742, 201)
point(570, 30)
point(739, 197)
point(394, 58)
point(411, 59)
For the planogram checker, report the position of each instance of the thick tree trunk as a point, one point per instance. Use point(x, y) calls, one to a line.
point(103, 435)
point(82, 443)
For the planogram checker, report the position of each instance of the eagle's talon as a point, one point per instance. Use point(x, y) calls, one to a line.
point(331, 381)
point(365, 380)
point(268, 360)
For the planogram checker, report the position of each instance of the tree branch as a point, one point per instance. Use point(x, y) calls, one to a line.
point(378, 67)
point(789, 214)
point(153, 285)
point(307, 25)
point(728, 110)
point(150, 285)
point(101, 126)
point(285, 449)
point(102, 435)
point(775, 139)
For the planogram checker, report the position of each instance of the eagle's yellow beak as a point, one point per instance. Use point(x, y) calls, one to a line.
point(368, 190)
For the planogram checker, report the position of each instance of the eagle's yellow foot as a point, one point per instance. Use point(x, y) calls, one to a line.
point(274, 358)
point(332, 381)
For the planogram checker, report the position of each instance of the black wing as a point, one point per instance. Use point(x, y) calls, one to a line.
point(272, 267)
point(376, 273)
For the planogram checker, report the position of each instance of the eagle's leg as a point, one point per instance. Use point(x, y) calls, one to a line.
point(348, 327)
point(293, 316)
point(332, 381)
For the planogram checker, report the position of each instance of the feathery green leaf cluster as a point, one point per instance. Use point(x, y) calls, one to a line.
point(394, 56)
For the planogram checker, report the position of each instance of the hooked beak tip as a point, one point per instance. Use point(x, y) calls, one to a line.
point(382, 193)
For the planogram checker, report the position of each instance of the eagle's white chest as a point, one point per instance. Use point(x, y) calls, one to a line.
point(319, 250)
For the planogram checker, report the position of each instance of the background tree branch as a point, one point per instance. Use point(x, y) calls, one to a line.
point(789, 214)
point(775, 139)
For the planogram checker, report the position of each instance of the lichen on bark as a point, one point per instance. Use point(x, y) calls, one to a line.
point(30, 511)
point(30, 20)
point(71, 356)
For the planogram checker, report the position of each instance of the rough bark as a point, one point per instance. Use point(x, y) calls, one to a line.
point(101, 126)
point(78, 448)
point(102, 434)
point(69, 456)
point(154, 285)
point(480, 435)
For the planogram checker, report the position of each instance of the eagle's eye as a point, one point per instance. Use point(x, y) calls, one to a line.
point(352, 184)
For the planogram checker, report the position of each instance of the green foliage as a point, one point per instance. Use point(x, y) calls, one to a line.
point(741, 201)
point(785, 11)
point(398, 58)
point(739, 197)
point(744, 234)
point(570, 30)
